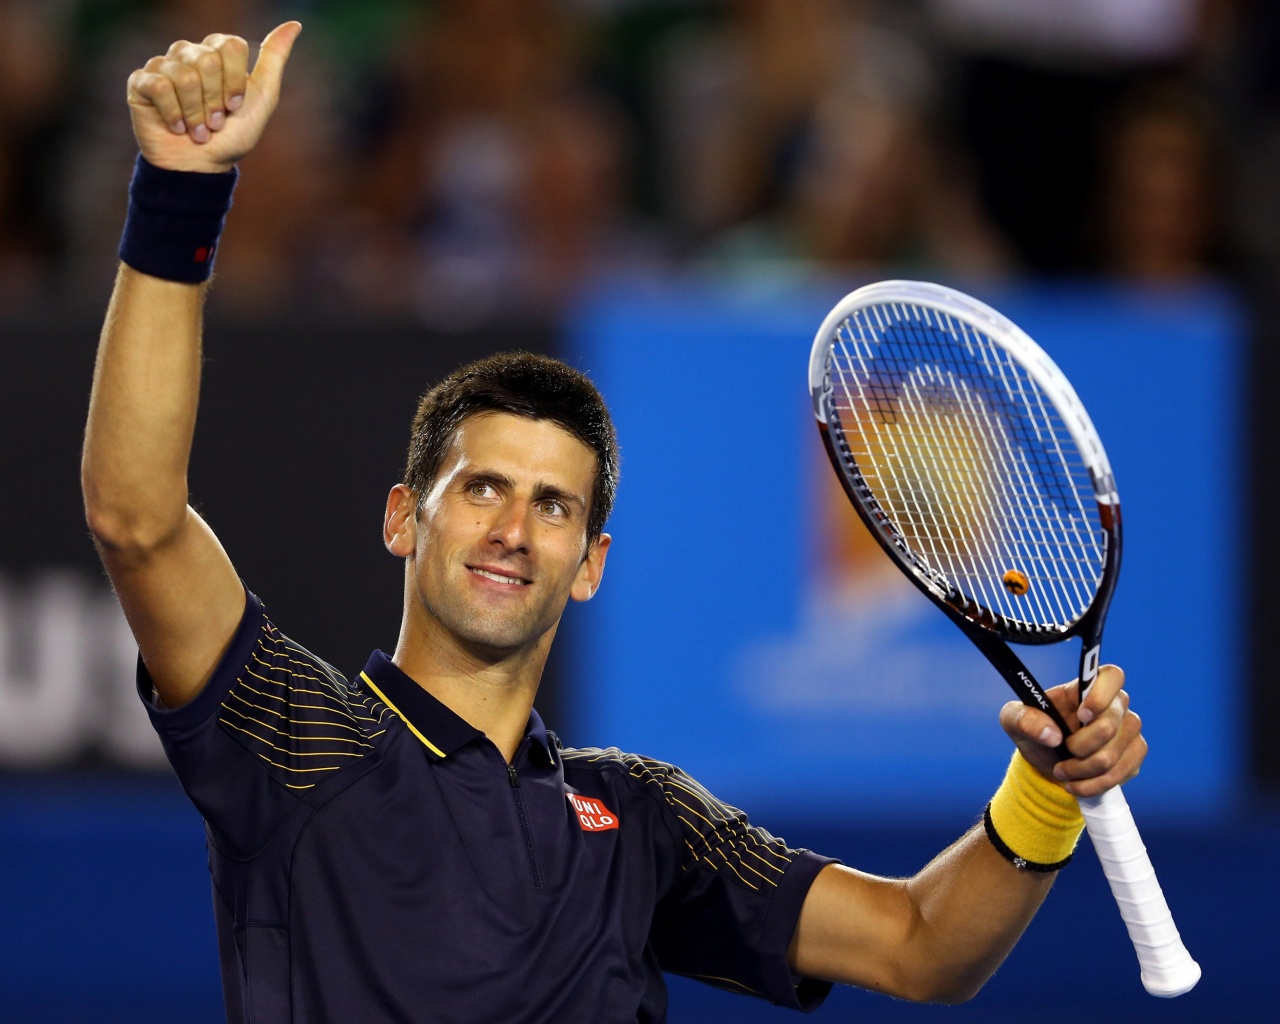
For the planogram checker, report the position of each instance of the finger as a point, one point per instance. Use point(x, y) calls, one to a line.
point(1109, 682)
point(1102, 730)
point(1129, 765)
point(208, 62)
point(148, 88)
point(190, 94)
point(1065, 701)
point(273, 55)
point(235, 70)
point(1026, 723)
point(1103, 759)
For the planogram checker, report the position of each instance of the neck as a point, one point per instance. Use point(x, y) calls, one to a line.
point(489, 690)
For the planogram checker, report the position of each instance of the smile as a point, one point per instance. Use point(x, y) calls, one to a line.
point(498, 577)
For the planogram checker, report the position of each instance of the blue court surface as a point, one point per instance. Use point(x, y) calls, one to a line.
point(107, 919)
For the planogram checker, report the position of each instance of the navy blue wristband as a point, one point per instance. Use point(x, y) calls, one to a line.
point(175, 218)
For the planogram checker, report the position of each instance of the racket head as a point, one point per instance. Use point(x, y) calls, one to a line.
point(970, 457)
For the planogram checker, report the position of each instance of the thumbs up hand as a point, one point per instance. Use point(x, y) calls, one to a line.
point(199, 108)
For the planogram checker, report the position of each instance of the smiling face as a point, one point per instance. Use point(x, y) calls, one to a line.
point(499, 542)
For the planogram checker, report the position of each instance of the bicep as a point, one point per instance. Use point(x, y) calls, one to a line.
point(854, 929)
point(183, 601)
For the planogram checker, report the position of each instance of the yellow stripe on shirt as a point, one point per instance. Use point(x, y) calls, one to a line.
point(412, 728)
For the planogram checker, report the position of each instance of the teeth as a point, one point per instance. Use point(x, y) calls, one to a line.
point(494, 576)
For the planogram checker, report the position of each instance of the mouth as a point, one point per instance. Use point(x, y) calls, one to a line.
point(498, 577)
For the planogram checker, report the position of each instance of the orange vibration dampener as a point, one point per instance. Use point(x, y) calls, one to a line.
point(1016, 582)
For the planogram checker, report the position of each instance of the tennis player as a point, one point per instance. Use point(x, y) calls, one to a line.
point(412, 843)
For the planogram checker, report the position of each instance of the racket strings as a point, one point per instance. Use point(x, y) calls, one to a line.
point(961, 403)
point(972, 468)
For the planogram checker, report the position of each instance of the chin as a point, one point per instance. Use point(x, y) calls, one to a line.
point(479, 627)
point(497, 637)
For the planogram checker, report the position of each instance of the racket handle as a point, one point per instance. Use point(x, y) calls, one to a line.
point(1167, 967)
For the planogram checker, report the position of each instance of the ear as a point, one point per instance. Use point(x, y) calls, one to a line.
point(587, 581)
point(400, 525)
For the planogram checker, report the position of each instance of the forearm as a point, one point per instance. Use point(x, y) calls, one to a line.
point(969, 907)
point(142, 411)
point(935, 937)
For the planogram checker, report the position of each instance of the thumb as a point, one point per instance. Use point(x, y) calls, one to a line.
point(1034, 733)
point(273, 55)
point(1029, 725)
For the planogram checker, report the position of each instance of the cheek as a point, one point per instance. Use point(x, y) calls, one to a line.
point(449, 526)
point(570, 556)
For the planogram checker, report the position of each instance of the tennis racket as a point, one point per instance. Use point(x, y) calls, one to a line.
point(968, 455)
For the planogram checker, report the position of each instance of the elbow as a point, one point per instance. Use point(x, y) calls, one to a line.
point(943, 986)
point(120, 534)
point(130, 532)
point(941, 968)
point(956, 991)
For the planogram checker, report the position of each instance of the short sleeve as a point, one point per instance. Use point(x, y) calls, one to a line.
point(730, 916)
point(273, 722)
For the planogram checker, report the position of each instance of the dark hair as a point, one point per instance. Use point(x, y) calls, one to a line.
point(534, 386)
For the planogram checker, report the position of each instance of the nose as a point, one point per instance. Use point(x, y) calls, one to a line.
point(510, 527)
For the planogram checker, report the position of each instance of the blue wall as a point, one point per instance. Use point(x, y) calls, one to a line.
point(715, 643)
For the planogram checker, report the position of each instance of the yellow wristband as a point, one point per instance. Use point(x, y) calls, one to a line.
point(1032, 821)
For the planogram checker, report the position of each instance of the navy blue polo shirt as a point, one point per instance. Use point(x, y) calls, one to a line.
point(375, 859)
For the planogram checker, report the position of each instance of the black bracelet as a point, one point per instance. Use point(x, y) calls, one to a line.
point(1021, 863)
point(175, 219)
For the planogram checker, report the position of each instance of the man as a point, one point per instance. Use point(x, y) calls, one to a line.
point(413, 844)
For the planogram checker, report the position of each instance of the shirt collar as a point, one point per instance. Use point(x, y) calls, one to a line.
point(441, 730)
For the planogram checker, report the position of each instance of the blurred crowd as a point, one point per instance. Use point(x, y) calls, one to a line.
point(464, 160)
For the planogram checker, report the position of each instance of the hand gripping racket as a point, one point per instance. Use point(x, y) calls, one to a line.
point(968, 455)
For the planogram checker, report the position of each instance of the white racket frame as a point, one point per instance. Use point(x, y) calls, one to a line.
point(1167, 968)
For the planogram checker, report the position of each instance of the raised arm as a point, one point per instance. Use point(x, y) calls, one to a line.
point(938, 936)
point(195, 110)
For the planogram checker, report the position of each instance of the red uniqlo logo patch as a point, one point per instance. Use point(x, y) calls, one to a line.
point(593, 816)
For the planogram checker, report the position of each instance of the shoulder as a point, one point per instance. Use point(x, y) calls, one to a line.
point(297, 713)
point(612, 761)
point(659, 780)
point(712, 835)
point(306, 680)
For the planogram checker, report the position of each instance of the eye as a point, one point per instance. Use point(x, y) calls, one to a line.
point(551, 507)
point(480, 488)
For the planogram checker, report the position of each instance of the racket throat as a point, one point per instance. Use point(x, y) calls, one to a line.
point(1020, 679)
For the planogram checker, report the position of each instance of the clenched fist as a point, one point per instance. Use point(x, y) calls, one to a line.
point(1107, 745)
point(199, 108)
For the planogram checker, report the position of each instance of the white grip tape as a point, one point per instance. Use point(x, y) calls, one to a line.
point(1167, 967)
